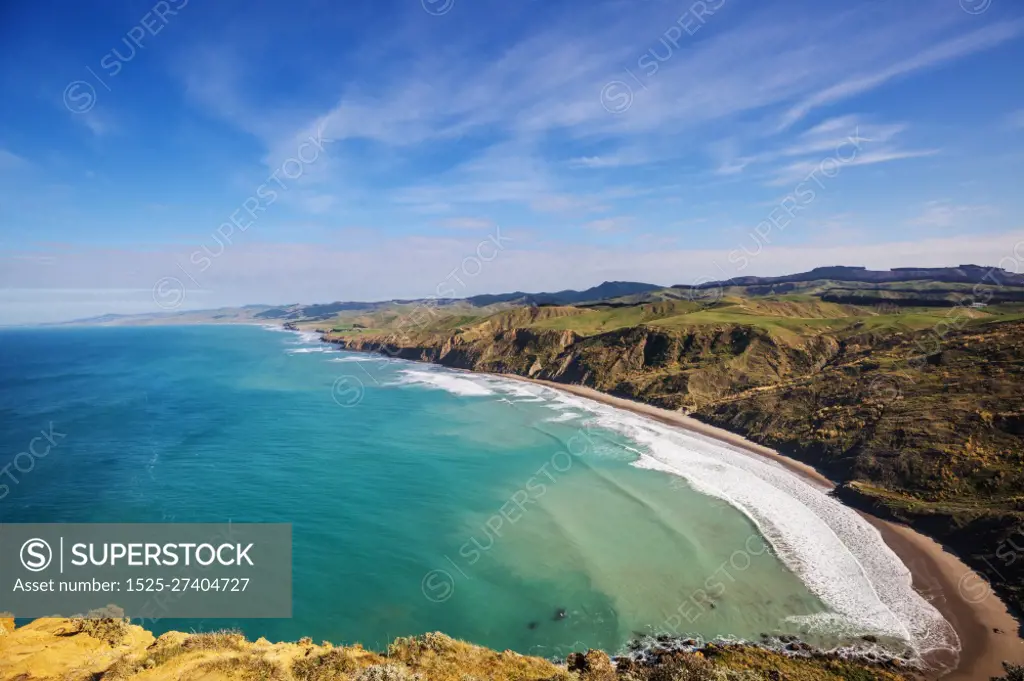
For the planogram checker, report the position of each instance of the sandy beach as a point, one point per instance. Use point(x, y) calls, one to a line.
point(988, 633)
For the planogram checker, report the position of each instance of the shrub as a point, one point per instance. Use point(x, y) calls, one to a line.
point(385, 672)
point(333, 664)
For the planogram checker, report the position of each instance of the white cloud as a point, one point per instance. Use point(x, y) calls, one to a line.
point(596, 162)
point(836, 132)
point(470, 223)
point(612, 224)
point(975, 41)
point(11, 161)
point(829, 166)
point(529, 93)
point(565, 204)
point(317, 203)
point(945, 213)
point(100, 125)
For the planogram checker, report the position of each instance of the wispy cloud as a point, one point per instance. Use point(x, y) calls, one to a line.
point(566, 204)
point(596, 162)
point(945, 213)
point(530, 100)
point(975, 41)
point(470, 223)
point(849, 140)
point(11, 161)
point(100, 125)
point(834, 132)
point(612, 224)
point(795, 172)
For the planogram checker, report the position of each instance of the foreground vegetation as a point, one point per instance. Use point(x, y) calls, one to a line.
point(113, 650)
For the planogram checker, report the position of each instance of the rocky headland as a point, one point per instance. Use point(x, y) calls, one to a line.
point(115, 650)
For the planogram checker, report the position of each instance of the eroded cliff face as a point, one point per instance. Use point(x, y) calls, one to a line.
point(685, 369)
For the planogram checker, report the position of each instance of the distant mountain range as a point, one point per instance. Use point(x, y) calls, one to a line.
point(605, 291)
point(964, 274)
point(616, 292)
point(612, 290)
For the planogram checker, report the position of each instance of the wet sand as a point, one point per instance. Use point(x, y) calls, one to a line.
point(988, 633)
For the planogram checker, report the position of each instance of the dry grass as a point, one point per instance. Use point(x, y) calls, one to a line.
point(441, 658)
point(109, 629)
point(225, 639)
point(688, 668)
point(386, 672)
point(336, 663)
point(248, 666)
point(163, 652)
point(227, 656)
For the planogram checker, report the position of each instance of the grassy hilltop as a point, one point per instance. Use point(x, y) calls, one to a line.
point(908, 392)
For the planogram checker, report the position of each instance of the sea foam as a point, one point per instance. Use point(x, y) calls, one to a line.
point(448, 381)
point(564, 416)
point(839, 556)
point(308, 337)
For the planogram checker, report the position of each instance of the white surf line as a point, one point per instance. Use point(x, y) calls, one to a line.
point(839, 556)
point(447, 381)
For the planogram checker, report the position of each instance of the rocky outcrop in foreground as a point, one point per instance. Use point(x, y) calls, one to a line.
point(113, 650)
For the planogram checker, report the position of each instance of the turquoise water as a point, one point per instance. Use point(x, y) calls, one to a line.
point(421, 499)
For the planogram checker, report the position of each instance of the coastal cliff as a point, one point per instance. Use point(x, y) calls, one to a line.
point(922, 428)
point(114, 650)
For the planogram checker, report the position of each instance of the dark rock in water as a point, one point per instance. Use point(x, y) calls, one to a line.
point(712, 604)
point(532, 625)
point(663, 638)
point(870, 639)
point(559, 614)
point(787, 638)
point(690, 642)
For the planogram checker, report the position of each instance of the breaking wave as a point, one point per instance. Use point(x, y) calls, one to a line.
point(841, 558)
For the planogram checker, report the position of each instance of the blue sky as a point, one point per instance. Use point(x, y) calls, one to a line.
point(193, 154)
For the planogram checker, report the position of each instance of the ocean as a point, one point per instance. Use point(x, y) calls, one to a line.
point(426, 499)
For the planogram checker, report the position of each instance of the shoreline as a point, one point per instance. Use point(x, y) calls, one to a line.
point(956, 591)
